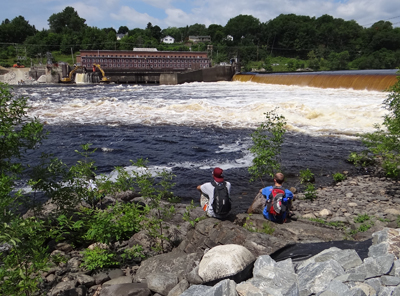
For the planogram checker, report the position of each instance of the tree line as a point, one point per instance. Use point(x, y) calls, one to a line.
point(319, 43)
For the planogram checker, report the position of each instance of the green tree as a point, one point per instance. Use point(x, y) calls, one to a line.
point(123, 30)
point(384, 143)
point(267, 141)
point(173, 32)
point(339, 61)
point(242, 26)
point(18, 133)
point(68, 19)
point(16, 30)
point(197, 30)
point(26, 257)
point(216, 32)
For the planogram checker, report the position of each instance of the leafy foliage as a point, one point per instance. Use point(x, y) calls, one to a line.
point(384, 143)
point(124, 218)
point(306, 176)
point(267, 141)
point(339, 177)
point(98, 258)
point(27, 257)
point(155, 189)
point(310, 191)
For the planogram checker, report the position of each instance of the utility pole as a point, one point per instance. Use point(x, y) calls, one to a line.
point(72, 54)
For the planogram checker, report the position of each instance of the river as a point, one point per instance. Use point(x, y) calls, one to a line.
point(191, 128)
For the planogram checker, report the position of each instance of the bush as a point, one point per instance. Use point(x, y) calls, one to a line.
point(310, 192)
point(339, 177)
point(267, 141)
point(384, 143)
point(98, 258)
point(306, 176)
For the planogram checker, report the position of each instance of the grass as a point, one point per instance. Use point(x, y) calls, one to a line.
point(333, 224)
point(267, 227)
point(361, 218)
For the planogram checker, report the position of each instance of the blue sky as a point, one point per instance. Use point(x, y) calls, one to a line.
point(178, 13)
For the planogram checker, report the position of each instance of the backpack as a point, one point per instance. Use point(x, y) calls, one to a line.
point(275, 204)
point(222, 202)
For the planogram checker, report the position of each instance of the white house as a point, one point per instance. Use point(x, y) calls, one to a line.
point(120, 36)
point(168, 39)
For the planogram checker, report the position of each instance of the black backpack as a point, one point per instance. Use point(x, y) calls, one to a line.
point(275, 204)
point(222, 202)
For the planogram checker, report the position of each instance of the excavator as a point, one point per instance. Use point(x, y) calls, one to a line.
point(104, 78)
point(70, 75)
point(69, 78)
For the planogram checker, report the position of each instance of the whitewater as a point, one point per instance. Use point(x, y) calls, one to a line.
point(189, 129)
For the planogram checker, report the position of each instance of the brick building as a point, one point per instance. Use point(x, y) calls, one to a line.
point(144, 59)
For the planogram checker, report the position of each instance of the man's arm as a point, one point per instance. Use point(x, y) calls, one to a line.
point(289, 194)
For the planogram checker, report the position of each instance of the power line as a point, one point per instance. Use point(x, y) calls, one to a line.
point(383, 20)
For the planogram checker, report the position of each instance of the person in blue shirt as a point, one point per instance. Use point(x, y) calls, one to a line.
point(279, 178)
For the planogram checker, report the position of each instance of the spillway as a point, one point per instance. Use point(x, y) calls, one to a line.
point(378, 80)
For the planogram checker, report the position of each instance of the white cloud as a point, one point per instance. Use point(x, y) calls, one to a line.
point(91, 13)
point(115, 13)
point(129, 17)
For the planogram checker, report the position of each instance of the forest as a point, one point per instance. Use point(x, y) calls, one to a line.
point(285, 43)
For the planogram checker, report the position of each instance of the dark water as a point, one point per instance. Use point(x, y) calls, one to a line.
point(191, 154)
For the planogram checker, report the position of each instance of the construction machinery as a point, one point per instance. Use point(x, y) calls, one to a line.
point(18, 65)
point(103, 78)
point(69, 77)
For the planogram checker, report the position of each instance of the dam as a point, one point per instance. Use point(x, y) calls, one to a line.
point(378, 80)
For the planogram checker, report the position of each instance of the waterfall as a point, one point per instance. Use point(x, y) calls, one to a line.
point(367, 81)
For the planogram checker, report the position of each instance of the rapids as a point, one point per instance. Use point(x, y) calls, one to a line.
point(189, 129)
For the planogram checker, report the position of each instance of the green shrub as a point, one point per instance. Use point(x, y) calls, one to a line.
point(310, 192)
point(266, 148)
point(268, 228)
point(339, 177)
point(124, 218)
point(360, 159)
point(361, 218)
point(384, 143)
point(135, 252)
point(306, 176)
point(98, 258)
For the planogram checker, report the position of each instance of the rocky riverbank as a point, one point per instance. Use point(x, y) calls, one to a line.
point(353, 210)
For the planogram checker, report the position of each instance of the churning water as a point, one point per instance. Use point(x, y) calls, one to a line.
point(191, 128)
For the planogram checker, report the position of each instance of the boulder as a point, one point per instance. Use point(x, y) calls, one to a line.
point(118, 281)
point(137, 289)
point(315, 277)
point(258, 204)
point(179, 288)
point(161, 283)
point(223, 288)
point(177, 263)
point(63, 286)
point(226, 261)
point(273, 278)
point(346, 258)
point(196, 290)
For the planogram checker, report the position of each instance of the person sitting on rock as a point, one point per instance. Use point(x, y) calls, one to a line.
point(215, 196)
point(277, 212)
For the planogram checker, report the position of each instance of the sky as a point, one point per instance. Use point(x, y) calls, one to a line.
point(180, 13)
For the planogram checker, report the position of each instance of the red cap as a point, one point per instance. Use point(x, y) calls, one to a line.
point(217, 174)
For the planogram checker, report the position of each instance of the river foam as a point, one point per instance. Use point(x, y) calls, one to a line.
point(230, 105)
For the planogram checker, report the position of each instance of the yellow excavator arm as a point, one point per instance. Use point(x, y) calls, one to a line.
point(104, 78)
point(69, 78)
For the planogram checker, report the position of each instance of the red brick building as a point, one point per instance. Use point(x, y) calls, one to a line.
point(144, 59)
